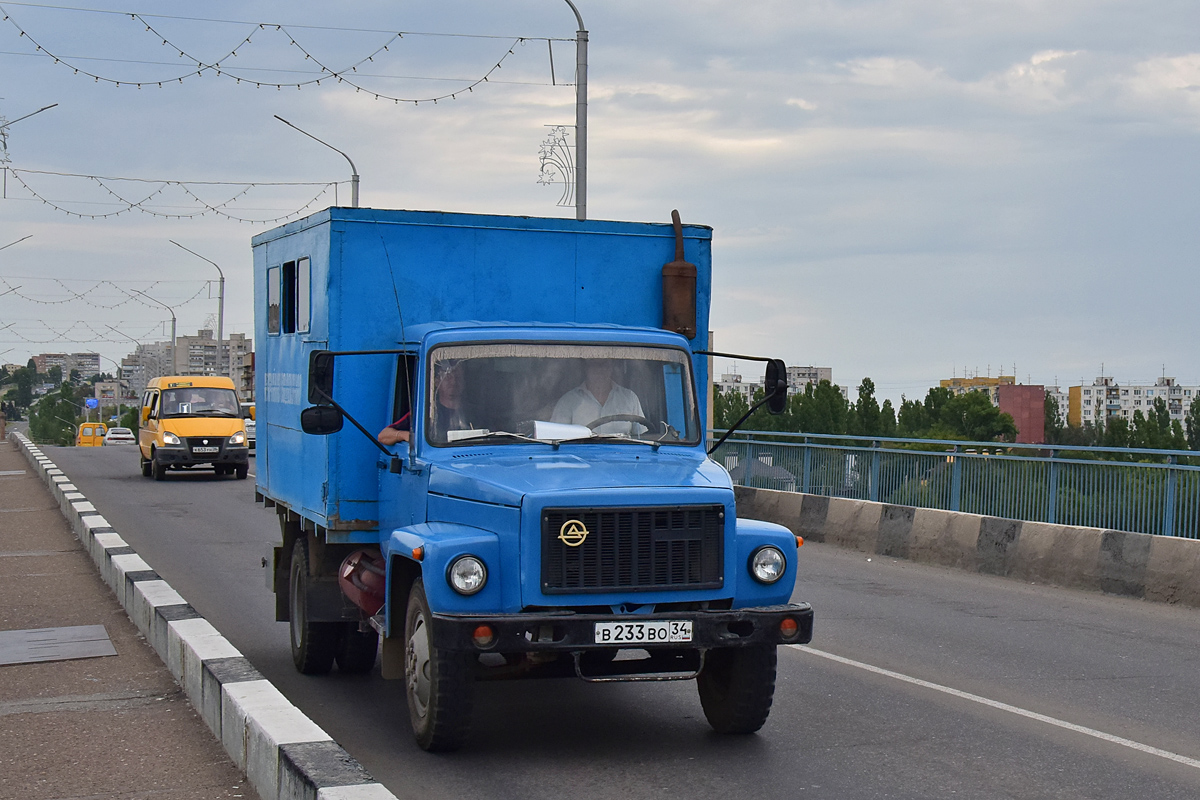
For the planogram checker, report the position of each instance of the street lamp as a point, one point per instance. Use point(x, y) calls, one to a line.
point(353, 169)
point(581, 47)
point(18, 241)
point(220, 311)
point(174, 354)
point(4, 126)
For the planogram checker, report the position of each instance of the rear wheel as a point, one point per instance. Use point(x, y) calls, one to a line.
point(313, 643)
point(356, 650)
point(438, 683)
point(737, 686)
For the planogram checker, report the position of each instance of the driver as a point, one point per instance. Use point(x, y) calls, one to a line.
point(599, 396)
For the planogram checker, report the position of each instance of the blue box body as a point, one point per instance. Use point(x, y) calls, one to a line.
point(384, 279)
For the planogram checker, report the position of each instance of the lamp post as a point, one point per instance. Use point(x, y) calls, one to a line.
point(220, 312)
point(581, 48)
point(353, 169)
point(4, 126)
point(18, 241)
point(171, 311)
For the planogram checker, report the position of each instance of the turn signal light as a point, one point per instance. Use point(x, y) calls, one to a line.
point(484, 636)
point(799, 541)
point(788, 629)
point(418, 553)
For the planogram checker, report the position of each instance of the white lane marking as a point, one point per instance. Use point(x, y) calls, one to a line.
point(974, 698)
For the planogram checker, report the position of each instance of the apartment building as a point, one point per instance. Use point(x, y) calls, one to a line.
point(1105, 399)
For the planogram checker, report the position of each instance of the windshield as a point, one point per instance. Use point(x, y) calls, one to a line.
point(199, 401)
point(508, 393)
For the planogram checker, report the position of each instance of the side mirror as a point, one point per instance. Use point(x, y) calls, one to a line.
point(321, 420)
point(775, 385)
point(251, 412)
point(320, 376)
point(145, 415)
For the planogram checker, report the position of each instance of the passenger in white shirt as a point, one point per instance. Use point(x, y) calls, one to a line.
point(599, 396)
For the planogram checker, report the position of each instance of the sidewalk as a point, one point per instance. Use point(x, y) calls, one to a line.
point(106, 727)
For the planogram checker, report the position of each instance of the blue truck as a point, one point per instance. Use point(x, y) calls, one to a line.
point(524, 488)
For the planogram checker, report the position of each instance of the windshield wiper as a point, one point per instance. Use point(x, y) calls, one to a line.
point(483, 437)
point(212, 412)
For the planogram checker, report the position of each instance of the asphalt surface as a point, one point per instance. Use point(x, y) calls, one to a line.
point(1008, 669)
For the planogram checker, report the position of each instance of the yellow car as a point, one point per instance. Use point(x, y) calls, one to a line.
point(192, 421)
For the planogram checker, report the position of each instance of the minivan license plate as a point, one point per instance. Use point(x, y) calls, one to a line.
point(206, 449)
point(659, 631)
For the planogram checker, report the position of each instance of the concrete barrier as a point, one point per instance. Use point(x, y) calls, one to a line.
point(1158, 568)
point(284, 754)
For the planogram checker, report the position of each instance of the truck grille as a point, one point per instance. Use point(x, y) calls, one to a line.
point(633, 549)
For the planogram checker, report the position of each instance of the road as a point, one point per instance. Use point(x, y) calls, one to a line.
point(948, 684)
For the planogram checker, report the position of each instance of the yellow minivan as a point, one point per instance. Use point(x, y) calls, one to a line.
point(90, 434)
point(192, 421)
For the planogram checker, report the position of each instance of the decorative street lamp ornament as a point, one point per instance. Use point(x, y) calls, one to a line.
point(557, 161)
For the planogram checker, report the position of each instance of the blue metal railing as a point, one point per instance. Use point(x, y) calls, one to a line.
point(1144, 491)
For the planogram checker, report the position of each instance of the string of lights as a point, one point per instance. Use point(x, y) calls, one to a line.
point(91, 294)
point(205, 207)
point(71, 334)
point(199, 67)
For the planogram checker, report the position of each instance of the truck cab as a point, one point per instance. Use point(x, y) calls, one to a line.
point(546, 507)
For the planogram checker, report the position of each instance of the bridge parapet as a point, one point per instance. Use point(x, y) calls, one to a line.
point(1157, 568)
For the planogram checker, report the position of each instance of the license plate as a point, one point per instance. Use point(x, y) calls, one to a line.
point(206, 449)
point(659, 631)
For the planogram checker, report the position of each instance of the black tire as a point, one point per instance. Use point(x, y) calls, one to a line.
point(356, 650)
point(242, 471)
point(145, 466)
point(314, 644)
point(438, 684)
point(157, 469)
point(737, 686)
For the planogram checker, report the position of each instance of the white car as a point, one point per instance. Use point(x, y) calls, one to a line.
point(249, 423)
point(120, 436)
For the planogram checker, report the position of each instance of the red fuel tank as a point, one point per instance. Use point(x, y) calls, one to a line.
point(363, 579)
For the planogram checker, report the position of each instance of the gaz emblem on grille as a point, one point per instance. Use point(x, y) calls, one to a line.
point(572, 533)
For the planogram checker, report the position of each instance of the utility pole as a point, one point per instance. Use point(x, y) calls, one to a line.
point(220, 313)
point(581, 59)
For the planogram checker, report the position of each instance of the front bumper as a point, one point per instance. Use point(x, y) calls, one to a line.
point(567, 632)
point(183, 456)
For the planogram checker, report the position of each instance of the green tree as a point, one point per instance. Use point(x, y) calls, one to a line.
point(820, 409)
point(53, 418)
point(1054, 422)
point(1193, 424)
point(866, 417)
point(972, 416)
point(912, 421)
point(54, 375)
point(24, 378)
point(728, 408)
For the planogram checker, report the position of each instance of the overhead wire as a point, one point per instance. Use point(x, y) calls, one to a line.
point(346, 75)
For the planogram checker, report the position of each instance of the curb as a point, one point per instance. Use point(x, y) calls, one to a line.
point(1163, 569)
point(284, 754)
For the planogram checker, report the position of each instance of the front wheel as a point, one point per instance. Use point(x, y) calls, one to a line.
point(145, 466)
point(438, 683)
point(242, 471)
point(157, 468)
point(313, 643)
point(737, 686)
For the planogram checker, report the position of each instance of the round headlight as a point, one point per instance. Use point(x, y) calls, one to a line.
point(170, 438)
point(466, 575)
point(767, 564)
point(238, 438)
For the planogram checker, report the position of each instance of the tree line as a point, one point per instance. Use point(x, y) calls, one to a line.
point(821, 408)
point(970, 416)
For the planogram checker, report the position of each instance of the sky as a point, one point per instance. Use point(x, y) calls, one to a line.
point(905, 191)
